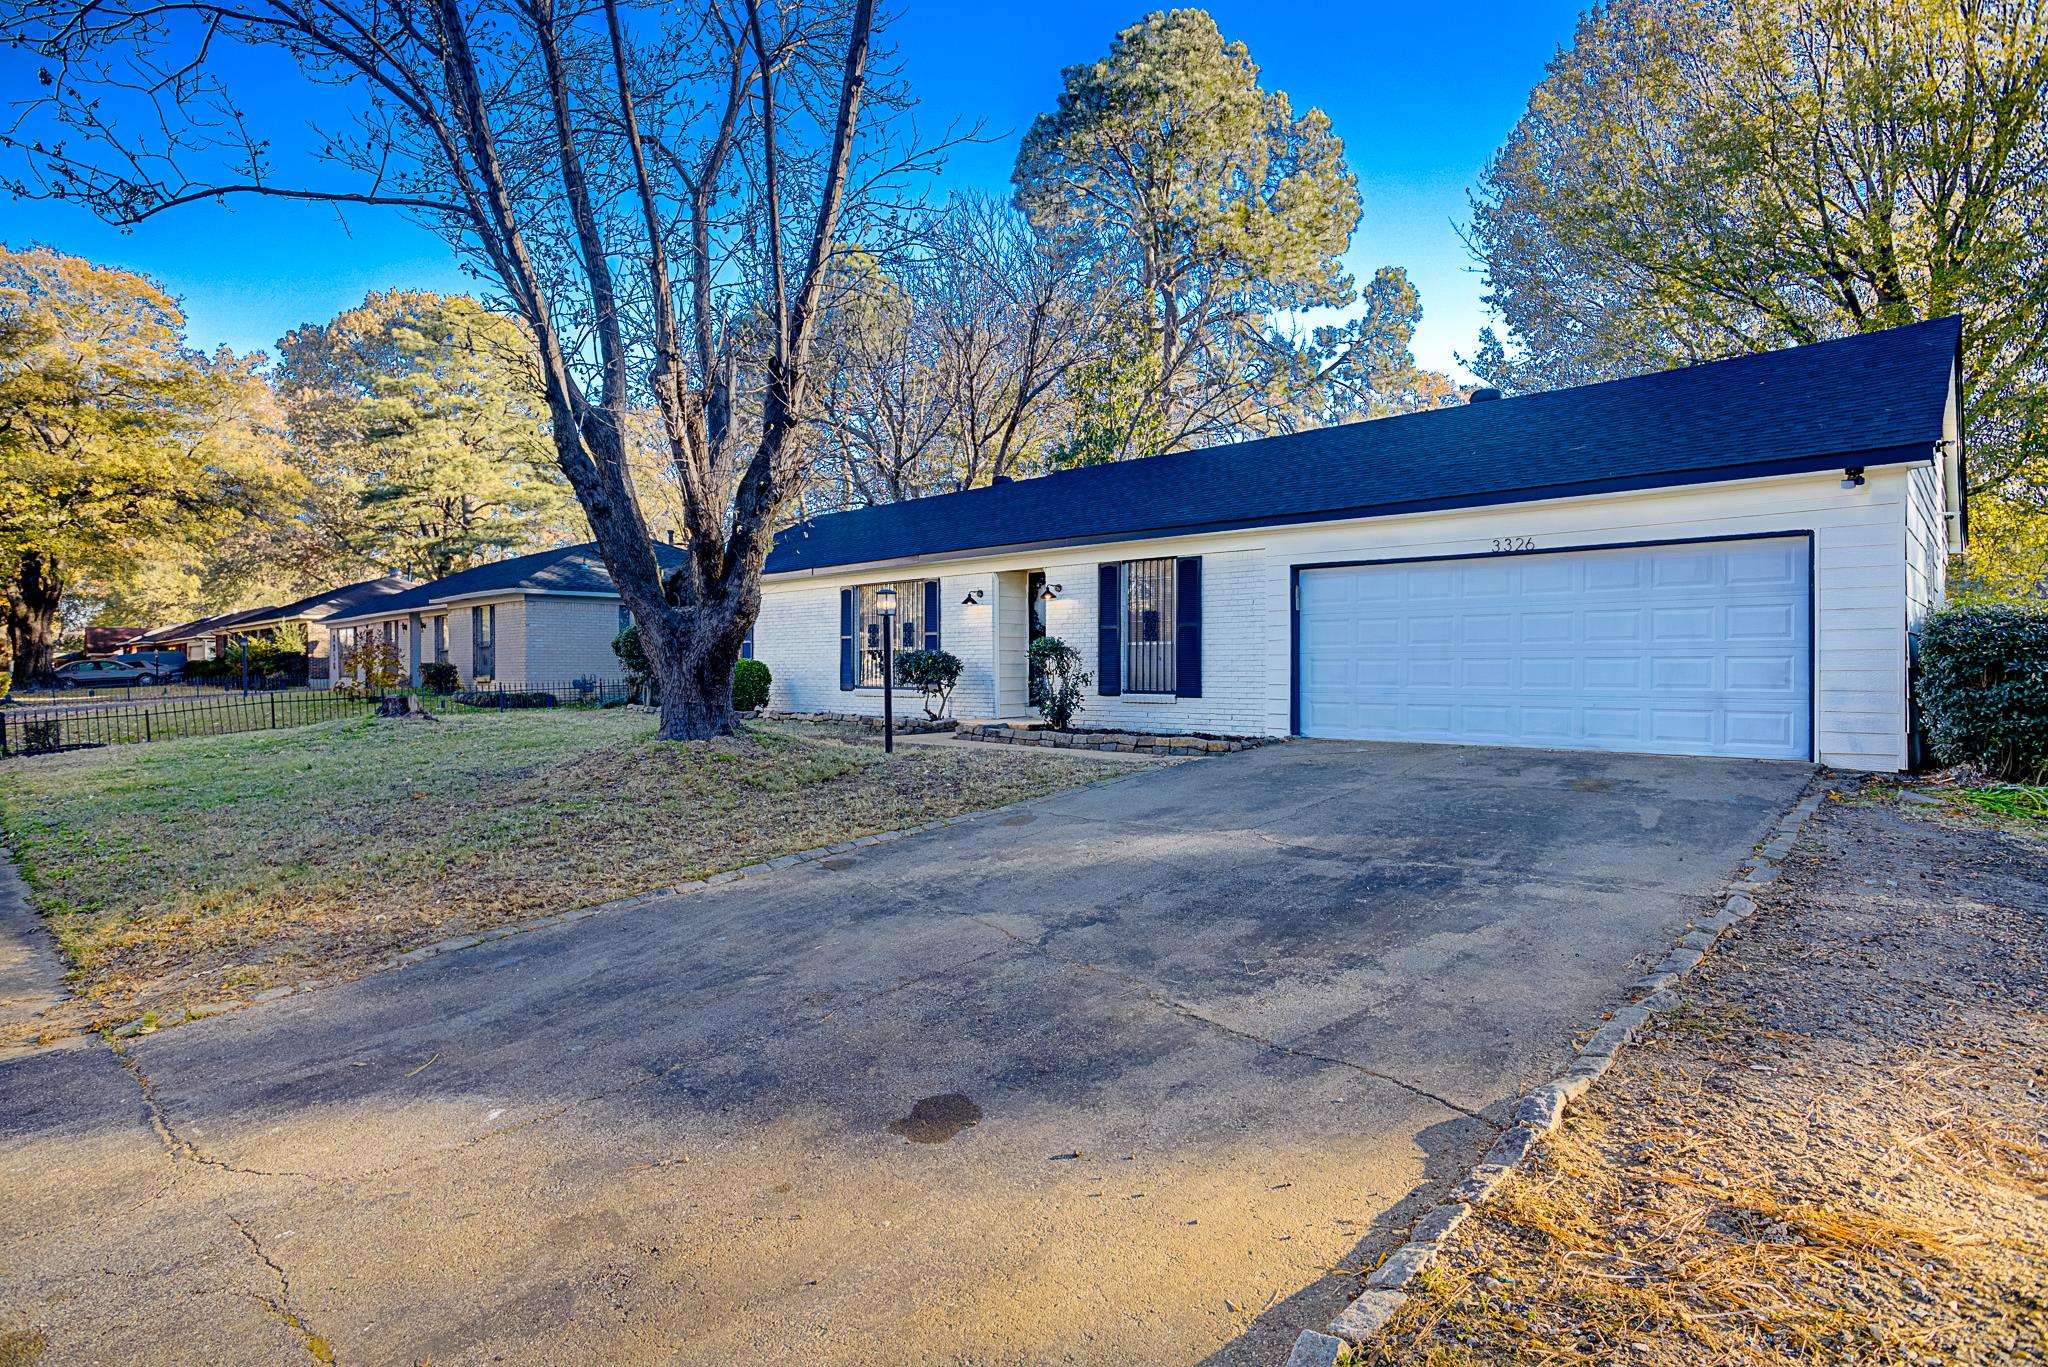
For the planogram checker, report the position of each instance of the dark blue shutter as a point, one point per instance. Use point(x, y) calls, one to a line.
point(747, 645)
point(1187, 627)
point(931, 614)
point(846, 640)
point(1109, 608)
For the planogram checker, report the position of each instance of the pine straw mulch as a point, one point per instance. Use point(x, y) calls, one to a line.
point(1836, 1150)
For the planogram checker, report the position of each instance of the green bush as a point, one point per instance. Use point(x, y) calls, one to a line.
point(932, 673)
point(626, 645)
point(1058, 683)
point(1984, 683)
point(750, 680)
point(509, 699)
point(439, 676)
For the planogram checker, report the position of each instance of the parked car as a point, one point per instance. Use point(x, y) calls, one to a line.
point(117, 672)
point(167, 665)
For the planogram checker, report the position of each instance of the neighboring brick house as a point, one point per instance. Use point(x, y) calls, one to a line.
point(1727, 559)
point(211, 638)
point(313, 612)
point(547, 618)
point(203, 638)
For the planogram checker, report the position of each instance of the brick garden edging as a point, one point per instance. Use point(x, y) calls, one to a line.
point(1542, 1110)
point(1131, 742)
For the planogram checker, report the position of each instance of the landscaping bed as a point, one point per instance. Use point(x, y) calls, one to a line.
point(184, 877)
point(1832, 1149)
point(1092, 738)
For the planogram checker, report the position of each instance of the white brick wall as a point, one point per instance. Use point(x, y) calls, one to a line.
point(797, 637)
point(1860, 592)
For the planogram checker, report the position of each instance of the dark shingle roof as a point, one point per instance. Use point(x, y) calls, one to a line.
point(564, 569)
point(330, 602)
point(1877, 396)
point(201, 626)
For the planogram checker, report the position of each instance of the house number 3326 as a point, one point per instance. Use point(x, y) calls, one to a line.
point(1514, 543)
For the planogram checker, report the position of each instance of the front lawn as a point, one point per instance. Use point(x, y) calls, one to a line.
point(182, 876)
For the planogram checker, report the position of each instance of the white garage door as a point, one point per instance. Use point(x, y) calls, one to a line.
point(1682, 650)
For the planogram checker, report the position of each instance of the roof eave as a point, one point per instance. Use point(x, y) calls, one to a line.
point(1912, 454)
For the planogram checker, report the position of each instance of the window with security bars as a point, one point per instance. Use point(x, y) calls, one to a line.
point(1148, 626)
point(868, 627)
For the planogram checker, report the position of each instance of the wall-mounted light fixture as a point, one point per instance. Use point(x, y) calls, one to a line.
point(1051, 591)
point(974, 598)
point(1852, 478)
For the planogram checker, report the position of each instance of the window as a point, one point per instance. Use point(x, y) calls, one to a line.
point(625, 619)
point(1148, 593)
point(344, 647)
point(483, 641)
point(868, 627)
point(441, 639)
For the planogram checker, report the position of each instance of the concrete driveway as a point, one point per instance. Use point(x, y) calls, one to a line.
point(1136, 1073)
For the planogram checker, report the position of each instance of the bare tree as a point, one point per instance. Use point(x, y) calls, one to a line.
point(948, 364)
point(658, 191)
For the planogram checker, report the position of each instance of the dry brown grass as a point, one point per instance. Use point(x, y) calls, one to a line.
point(185, 875)
point(1832, 1152)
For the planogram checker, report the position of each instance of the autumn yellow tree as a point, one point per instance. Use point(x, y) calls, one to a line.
point(118, 443)
point(1698, 178)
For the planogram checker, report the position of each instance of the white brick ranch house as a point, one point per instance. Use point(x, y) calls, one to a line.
point(1728, 559)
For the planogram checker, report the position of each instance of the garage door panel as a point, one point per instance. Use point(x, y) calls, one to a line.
point(1769, 566)
point(1548, 576)
point(1684, 571)
point(1614, 625)
point(1700, 649)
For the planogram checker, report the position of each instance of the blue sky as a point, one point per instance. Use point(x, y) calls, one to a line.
point(1420, 99)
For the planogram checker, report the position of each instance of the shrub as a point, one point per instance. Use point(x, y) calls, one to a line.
point(209, 670)
point(639, 674)
point(932, 673)
point(1058, 682)
point(41, 735)
point(509, 699)
point(750, 680)
point(439, 676)
point(373, 668)
point(1984, 683)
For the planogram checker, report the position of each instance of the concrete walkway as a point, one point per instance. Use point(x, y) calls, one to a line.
point(31, 973)
point(1139, 1073)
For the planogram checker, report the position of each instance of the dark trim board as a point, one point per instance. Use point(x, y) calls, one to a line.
point(1294, 572)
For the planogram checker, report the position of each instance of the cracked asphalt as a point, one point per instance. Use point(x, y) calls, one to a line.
point(1193, 1046)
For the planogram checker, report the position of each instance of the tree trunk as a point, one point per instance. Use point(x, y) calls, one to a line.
point(32, 602)
point(696, 691)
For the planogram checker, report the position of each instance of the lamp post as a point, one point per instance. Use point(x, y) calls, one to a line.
point(885, 603)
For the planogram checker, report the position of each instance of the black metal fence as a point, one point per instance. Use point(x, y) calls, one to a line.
point(42, 731)
point(584, 691)
point(53, 695)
